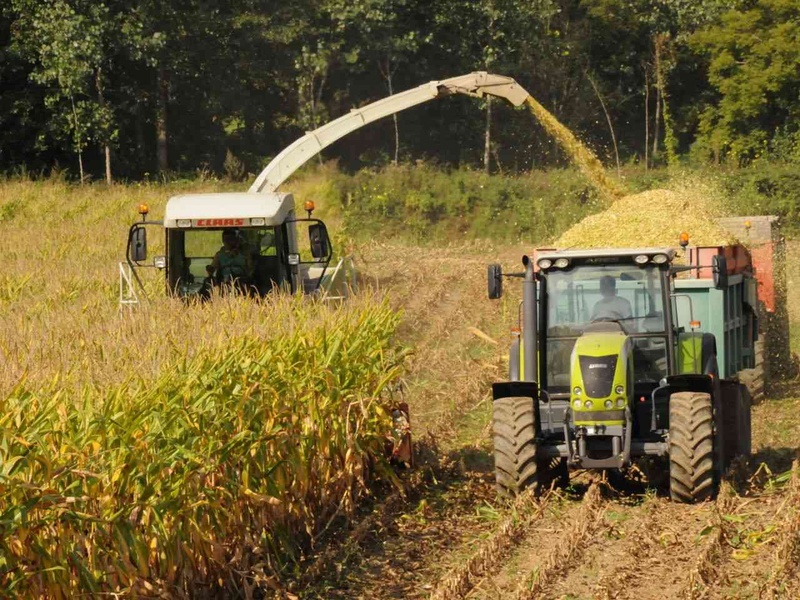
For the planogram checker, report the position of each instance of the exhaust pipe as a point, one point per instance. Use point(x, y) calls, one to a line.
point(529, 334)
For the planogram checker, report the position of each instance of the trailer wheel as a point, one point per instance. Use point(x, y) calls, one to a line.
point(515, 448)
point(691, 447)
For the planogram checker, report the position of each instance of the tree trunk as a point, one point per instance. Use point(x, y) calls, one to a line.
point(608, 120)
point(161, 121)
point(665, 62)
point(394, 118)
point(487, 146)
point(317, 102)
point(77, 139)
point(80, 165)
point(106, 148)
point(657, 66)
point(646, 118)
point(388, 74)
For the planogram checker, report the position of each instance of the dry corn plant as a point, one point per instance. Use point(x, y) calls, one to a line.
point(174, 449)
point(787, 554)
point(654, 218)
point(524, 512)
point(705, 572)
point(572, 540)
point(578, 153)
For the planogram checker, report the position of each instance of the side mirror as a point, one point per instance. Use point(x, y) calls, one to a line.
point(494, 280)
point(719, 271)
point(318, 236)
point(137, 244)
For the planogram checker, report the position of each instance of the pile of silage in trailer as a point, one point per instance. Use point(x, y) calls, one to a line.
point(208, 480)
point(653, 218)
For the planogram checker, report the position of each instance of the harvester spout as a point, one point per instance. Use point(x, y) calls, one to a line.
point(478, 84)
point(481, 84)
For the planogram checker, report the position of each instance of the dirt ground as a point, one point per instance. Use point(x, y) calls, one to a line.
point(448, 538)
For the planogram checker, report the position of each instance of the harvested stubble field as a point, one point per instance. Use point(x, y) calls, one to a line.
point(157, 397)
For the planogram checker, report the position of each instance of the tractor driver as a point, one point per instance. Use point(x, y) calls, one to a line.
point(611, 307)
point(232, 261)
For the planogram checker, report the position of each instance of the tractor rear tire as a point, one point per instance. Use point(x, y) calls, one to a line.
point(516, 461)
point(692, 472)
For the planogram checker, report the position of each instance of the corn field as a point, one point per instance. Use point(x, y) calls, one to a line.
point(172, 450)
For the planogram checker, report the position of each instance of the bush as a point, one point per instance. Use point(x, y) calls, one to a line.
point(427, 204)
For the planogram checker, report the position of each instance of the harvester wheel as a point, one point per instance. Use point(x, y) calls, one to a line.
point(691, 447)
point(515, 447)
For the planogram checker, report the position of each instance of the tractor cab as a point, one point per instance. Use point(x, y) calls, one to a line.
point(613, 305)
point(246, 242)
point(608, 364)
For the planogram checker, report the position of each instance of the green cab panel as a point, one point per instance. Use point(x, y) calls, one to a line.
point(690, 353)
point(601, 368)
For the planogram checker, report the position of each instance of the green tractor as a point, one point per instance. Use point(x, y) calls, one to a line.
point(608, 365)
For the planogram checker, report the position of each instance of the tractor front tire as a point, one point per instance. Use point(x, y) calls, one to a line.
point(692, 472)
point(515, 447)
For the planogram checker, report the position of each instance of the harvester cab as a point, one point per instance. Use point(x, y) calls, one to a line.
point(250, 242)
point(612, 364)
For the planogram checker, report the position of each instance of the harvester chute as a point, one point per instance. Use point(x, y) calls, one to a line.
point(478, 84)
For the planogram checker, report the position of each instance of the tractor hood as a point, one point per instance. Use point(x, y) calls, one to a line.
point(600, 368)
point(227, 209)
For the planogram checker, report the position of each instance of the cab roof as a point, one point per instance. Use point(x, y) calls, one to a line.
point(274, 208)
point(603, 252)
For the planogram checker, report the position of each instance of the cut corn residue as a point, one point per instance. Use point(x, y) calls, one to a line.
point(578, 153)
point(652, 218)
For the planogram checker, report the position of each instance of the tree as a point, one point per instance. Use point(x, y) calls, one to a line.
point(754, 67)
point(68, 46)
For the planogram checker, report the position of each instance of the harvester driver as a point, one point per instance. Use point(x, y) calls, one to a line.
point(232, 262)
point(611, 307)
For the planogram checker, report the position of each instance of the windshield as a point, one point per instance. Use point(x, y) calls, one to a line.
point(628, 295)
point(251, 257)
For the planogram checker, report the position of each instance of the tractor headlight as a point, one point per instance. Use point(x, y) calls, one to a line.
point(620, 402)
point(608, 404)
point(576, 391)
point(588, 404)
point(545, 264)
point(577, 404)
point(660, 259)
point(258, 221)
point(619, 389)
point(184, 222)
point(641, 259)
point(561, 263)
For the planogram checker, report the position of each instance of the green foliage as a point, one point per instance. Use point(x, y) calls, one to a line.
point(68, 44)
point(754, 66)
point(250, 76)
point(423, 203)
point(766, 189)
